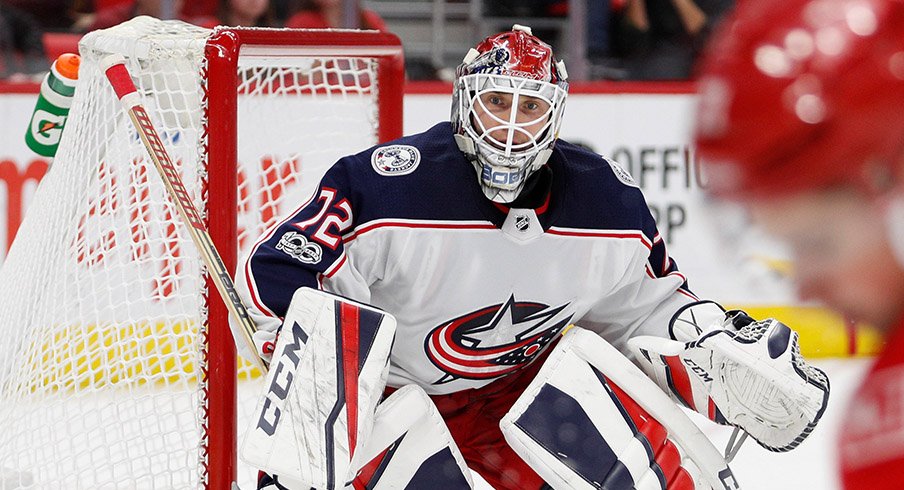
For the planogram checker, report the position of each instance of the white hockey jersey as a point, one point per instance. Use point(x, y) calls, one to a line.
point(478, 289)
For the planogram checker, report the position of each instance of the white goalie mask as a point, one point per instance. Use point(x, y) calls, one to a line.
point(507, 107)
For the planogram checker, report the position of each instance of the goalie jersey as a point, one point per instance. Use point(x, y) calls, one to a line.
point(478, 289)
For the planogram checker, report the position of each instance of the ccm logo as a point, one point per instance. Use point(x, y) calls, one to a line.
point(699, 371)
point(283, 375)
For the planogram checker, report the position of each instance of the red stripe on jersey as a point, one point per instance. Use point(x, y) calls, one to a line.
point(680, 383)
point(602, 234)
point(348, 315)
point(433, 225)
point(335, 267)
point(676, 273)
point(542, 209)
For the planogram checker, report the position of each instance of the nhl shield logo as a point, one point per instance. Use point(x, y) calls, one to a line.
point(522, 222)
point(395, 159)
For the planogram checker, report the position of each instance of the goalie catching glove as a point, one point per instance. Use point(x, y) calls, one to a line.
point(741, 372)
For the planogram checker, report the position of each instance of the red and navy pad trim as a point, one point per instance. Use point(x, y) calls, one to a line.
point(356, 329)
point(558, 423)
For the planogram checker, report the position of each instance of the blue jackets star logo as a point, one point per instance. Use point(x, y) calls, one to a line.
point(495, 340)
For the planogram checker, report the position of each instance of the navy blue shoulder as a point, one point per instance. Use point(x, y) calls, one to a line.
point(421, 176)
point(599, 193)
point(425, 176)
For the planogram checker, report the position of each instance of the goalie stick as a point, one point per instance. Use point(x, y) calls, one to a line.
point(118, 75)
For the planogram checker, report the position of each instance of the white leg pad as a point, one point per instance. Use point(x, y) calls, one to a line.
point(410, 447)
point(591, 419)
point(328, 373)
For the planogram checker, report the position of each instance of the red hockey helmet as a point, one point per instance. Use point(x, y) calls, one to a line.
point(522, 66)
point(798, 94)
point(516, 53)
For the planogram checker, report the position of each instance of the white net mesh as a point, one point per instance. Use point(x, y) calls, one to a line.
point(102, 298)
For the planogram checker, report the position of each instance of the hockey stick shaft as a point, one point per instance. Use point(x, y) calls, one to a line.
point(115, 69)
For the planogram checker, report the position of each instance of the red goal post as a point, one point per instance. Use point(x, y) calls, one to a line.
point(117, 365)
point(222, 52)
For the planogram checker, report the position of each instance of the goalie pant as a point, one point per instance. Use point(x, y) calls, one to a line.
point(872, 433)
point(473, 416)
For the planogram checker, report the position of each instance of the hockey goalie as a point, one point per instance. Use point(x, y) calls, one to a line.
point(416, 315)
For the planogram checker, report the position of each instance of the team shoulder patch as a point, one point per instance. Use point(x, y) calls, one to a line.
point(621, 173)
point(299, 248)
point(395, 159)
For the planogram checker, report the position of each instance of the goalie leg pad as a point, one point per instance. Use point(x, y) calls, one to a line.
point(328, 372)
point(591, 419)
point(410, 447)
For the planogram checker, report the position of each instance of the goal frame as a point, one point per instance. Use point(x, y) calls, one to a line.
point(220, 106)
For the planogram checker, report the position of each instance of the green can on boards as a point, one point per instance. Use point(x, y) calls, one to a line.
point(52, 109)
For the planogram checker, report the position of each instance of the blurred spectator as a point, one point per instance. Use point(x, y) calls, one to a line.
point(660, 39)
point(197, 9)
point(322, 14)
point(110, 16)
point(242, 13)
point(420, 69)
point(21, 48)
point(530, 8)
point(281, 11)
point(50, 15)
point(526, 8)
point(599, 14)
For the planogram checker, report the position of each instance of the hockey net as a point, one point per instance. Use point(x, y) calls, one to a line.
point(117, 369)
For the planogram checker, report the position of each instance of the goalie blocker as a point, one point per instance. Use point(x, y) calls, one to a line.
point(591, 419)
point(318, 423)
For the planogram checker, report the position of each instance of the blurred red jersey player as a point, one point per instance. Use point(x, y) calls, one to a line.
point(801, 121)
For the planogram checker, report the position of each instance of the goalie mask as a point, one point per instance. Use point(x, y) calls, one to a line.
point(507, 108)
